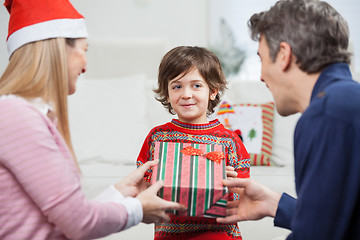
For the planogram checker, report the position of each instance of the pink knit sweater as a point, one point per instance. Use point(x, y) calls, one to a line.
point(40, 192)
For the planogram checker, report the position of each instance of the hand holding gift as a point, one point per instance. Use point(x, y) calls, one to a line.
point(255, 201)
point(134, 183)
point(154, 207)
point(230, 172)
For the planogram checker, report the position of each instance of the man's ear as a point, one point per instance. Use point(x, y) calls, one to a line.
point(284, 55)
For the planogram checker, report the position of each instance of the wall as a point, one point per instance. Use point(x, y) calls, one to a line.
point(177, 22)
point(183, 22)
point(4, 20)
point(237, 15)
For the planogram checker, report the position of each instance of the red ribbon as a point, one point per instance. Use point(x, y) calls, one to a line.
point(215, 156)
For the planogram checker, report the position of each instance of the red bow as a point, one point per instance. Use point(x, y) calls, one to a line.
point(213, 156)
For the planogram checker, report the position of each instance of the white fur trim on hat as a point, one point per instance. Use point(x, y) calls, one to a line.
point(66, 28)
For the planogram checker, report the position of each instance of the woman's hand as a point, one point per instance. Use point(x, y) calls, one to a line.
point(134, 183)
point(154, 207)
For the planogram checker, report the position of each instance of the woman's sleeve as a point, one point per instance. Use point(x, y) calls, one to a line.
point(34, 152)
point(133, 206)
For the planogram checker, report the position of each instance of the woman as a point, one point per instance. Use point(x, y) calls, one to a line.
point(41, 196)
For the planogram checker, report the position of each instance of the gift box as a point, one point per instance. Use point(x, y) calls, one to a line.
point(192, 175)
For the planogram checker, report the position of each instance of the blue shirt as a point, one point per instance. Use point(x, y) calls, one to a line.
point(327, 162)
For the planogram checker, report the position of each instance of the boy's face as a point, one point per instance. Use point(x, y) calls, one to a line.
point(189, 97)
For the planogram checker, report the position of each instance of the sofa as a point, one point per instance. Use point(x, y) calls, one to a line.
point(114, 108)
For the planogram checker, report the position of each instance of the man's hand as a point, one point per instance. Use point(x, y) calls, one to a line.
point(255, 201)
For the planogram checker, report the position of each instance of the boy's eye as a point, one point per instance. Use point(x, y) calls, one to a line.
point(197, 85)
point(176, 87)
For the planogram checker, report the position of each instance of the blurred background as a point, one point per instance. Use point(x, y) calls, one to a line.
point(220, 25)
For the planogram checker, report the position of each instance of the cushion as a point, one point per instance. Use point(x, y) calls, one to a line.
point(254, 124)
point(108, 119)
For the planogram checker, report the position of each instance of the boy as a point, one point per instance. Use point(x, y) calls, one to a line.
point(190, 84)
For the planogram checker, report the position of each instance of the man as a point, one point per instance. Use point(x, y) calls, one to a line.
point(303, 51)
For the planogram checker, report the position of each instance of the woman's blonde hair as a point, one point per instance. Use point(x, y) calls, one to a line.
point(39, 69)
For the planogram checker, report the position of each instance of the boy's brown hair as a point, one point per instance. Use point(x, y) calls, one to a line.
point(183, 59)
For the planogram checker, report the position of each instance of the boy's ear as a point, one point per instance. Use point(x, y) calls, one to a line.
point(213, 94)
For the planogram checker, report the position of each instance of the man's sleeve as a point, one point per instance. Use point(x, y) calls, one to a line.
point(285, 211)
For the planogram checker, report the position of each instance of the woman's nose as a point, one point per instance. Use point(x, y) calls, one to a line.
point(85, 65)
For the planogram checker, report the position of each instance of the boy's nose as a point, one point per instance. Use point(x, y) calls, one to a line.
point(187, 93)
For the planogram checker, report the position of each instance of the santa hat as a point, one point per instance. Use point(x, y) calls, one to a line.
point(34, 20)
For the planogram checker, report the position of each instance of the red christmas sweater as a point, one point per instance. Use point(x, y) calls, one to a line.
point(210, 133)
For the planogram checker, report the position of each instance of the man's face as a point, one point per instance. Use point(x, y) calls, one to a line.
point(275, 79)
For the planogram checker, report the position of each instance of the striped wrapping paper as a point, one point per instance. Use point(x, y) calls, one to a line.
point(193, 181)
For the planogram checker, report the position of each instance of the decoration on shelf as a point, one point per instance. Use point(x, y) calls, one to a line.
point(231, 56)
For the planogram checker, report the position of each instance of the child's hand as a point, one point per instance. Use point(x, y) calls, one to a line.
point(230, 172)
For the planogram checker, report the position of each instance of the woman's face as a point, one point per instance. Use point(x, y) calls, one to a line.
point(76, 61)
